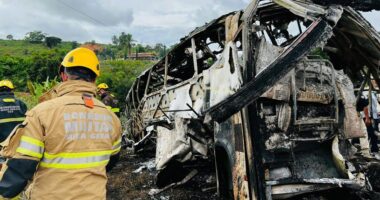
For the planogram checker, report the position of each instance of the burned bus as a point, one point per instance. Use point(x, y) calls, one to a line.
point(268, 93)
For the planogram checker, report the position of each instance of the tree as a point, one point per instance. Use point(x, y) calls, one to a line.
point(107, 53)
point(120, 74)
point(115, 40)
point(123, 43)
point(126, 42)
point(160, 49)
point(129, 42)
point(140, 48)
point(52, 41)
point(35, 37)
point(10, 37)
point(74, 44)
point(148, 48)
point(44, 64)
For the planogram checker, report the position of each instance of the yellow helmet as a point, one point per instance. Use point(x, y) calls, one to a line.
point(82, 57)
point(102, 86)
point(7, 83)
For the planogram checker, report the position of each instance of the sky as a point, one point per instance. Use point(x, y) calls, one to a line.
point(149, 21)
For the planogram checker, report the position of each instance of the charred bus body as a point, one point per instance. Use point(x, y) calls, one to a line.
point(267, 92)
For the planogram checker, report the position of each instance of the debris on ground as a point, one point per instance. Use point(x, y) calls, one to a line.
point(183, 181)
point(123, 183)
point(148, 165)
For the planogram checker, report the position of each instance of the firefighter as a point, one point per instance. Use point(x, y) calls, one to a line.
point(67, 143)
point(107, 98)
point(12, 110)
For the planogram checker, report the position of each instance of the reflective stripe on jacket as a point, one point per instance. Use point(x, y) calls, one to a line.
point(114, 110)
point(72, 143)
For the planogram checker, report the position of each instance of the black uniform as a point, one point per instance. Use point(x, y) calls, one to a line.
point(12, 112)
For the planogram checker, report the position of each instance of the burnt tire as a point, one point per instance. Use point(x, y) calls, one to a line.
point(224, 177)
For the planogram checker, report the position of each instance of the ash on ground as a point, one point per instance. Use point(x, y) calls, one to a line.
point(134, 177)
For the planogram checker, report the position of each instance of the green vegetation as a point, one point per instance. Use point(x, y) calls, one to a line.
point(124, 43)
point(36, 90)
point(35, 67)
point(35, 37)
point(22, 48)
point(32, 64)
point(120, 75)
point(319, 52)
point(52, 41)
point(27, 98)
point(124, 46)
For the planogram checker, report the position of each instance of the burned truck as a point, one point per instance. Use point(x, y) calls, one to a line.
point(268, 93)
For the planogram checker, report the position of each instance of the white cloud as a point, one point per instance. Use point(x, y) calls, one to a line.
point(149, 21)
point(374, 18)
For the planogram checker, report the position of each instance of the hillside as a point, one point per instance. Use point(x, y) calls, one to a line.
point(20, 48)
point(23, 62)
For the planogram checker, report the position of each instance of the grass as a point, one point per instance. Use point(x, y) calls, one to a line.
point(27, 98)
point(20, 48)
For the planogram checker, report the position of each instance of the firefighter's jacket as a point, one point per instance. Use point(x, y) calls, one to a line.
point(12, 112)
point(111, 103)
point(69, 141)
